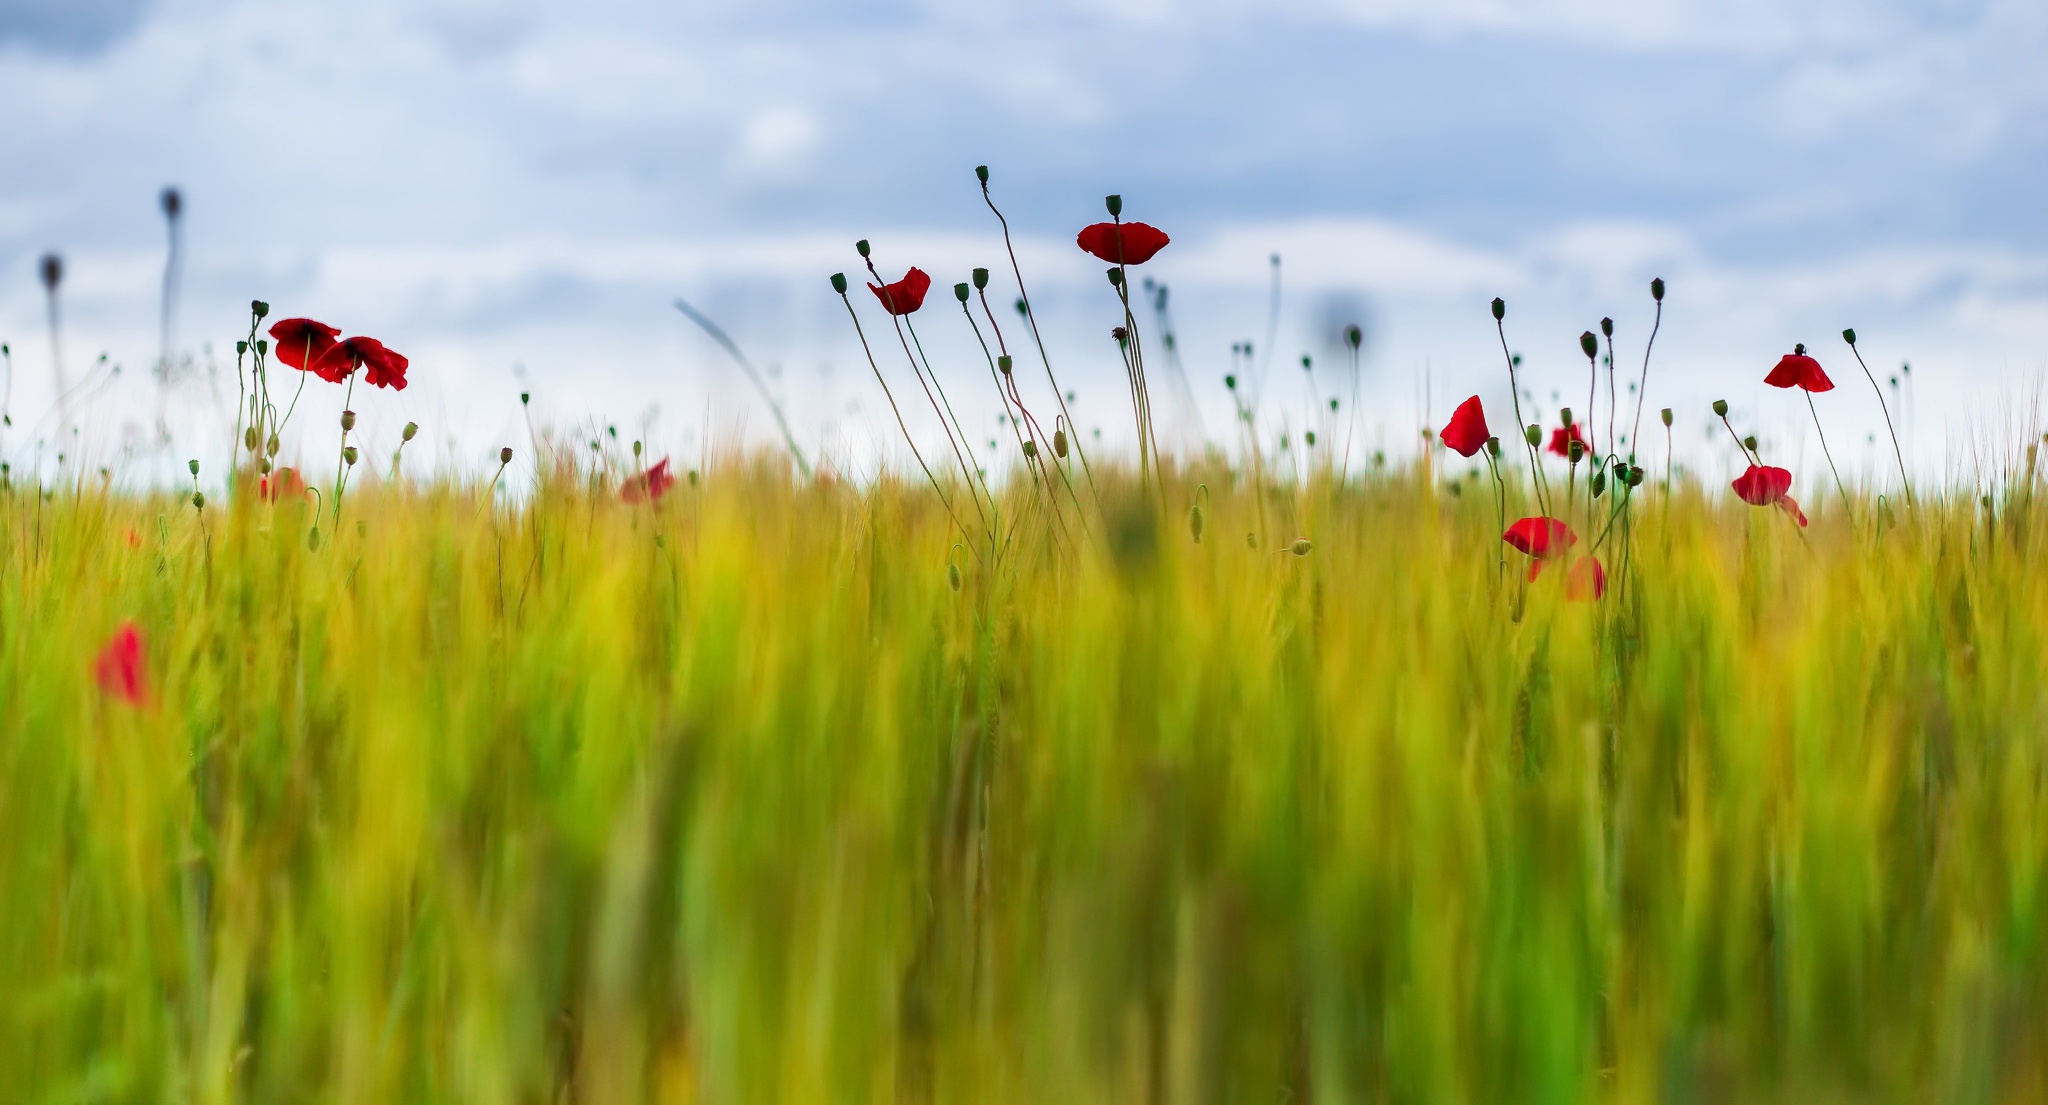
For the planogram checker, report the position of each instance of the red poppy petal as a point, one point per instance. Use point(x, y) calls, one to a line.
point(1122, 243)
point(1466, 434)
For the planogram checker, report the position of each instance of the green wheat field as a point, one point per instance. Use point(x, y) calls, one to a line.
point(774, 789)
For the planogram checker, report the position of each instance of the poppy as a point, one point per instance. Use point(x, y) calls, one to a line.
point(648, 486)
point(1562, 437)
point(1540, 537)
point(905, 295)
point(1763, 485)
point(281, 484)
point(1797, 370)
point(1122, 243)
point(1466, 433)
point(1586, 580)
point(119, 668)
point(382, 367)
point(303, 344)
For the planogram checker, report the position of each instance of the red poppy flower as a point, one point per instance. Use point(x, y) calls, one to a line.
point(1540, 537)
point(1562, 437)
point(382, 367)
point(905, 295)
point(648, 486)
point(1797, 370)
point(302, 343)
point(1586, 580)
point(281, 484)
point(1762, 485)
point(1466, 433)
point(1122, 243)
point(119, 668)
point(1790, 505)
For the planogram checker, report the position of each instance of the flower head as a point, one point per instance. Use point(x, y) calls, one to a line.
point(1561, 440)
point(1466, 433)
point(905, 295)
point(1122, 243)
point(1586, 580)
point(119, 668)
point(1797, 370)
point(382, 367)
point(648, 486)
point(1540, 537)
point(1763, 485)
point(284, 483)
point(303, 344)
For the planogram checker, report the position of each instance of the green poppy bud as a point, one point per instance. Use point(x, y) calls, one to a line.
point(1589, 343)
point(1749, 443)
point(193, 465)
point(1354, 337)
point(1721, 408)
point(262, 346)
point(1230, 382)
point(271, 446)
point(1500, 308)
point(259, 308)
point(1665, 414)
point(411, 428)
point(960, 292)
point(1849, 335)
point(1116, 278)
point(263, 465)
point(198, 500)
point(1003, 364)
point(1059, 443)
point(349, 455)
point(980, 279)
point(505, 455)
point(1534, 434)
point(636, 447)
point(525, 397)
point(1635, 476)
point(313, 539)
point(861, 247)
point(1310, 437)
point(1195, 522)
point(1300, 547)
point(839, 282)
point(1657, 289)
point(1606, 327)
point(1575, 450)
point(953, 576)
point(1030, 448)
point(1565, 414)
point(348, 420)
point(1599, 482)
point(250, 439)
point(1493, 446)
point(1115, 205)
point(241, 348)
point(981, 173)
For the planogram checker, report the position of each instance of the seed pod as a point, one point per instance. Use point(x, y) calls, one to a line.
point(263, 465)
point(250, 439)
point(1599, 482)
point(1635, 476)
point(1607, 327)
point(1059, 443)
point(861, 247)
point(1589, 343)
point(1500, 308)
point(313, 539)
point(262, 346)
point(1665, 414)
point(198, 500)
point(193, 465)
point(271, 446)
point(1493, 447)
point(953, 576)
point(1116, 277)
point(348, 418)
point(1749, 443)
point(349, 455)
point(1300, 547)
point(981, 173)
point(1353, 336)
point(259, 308)
point(1195, 522)
point(1721, 408)
point(1534, 434)
point(1849, 335)
point(411, 428)
point(505, 455)
point(839, 282)
point(241, 348)
point(1310, 437)
point(1004, 363)
point(1115, 205)
point(961, 292)
point(1575, 450)
point(1030, 448)
point(636, 447)
point(1230, 382)
point(980, 279)
point(1657, 289)
point(1565, 415)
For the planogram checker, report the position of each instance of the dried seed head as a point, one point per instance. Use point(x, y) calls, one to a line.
point(1120, 334)
point(1059, 443)
point(1665, 414)
point(1589, 343)
point(980, 279)
point(1300, 547)
point(348, 420)
point(839, 282)
point(1657, 289)
point(1500, 308)
point(505, 455)
point(411, 428)
point(961, 292)
point(349, 455)
point(1721, 408)
point(1606, 327)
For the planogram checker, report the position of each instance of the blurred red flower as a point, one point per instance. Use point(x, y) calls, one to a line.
point(1540, 537)
point(648, 486)
point(1561, 439)
point(1466, 433)
point(905, 295)
point(119, 668)
point(1122, 243)
point(284, 483)
point(304, 344)
point(1763, 485)
point(1797, 370)
point(1586, 580)
point(383, 367)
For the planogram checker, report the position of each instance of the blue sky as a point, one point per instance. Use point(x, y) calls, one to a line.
point(491, 185)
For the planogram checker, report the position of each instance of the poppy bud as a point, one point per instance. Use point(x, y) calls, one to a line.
point(1849, 335)
point(1657, 289)
point(348, 420)
point(981, 173)
point(1116, 278)
point(1003, 362)
point(960, 292)
point(1310, 436)
point(1575, 450)
point(1115, 205)
point(198, 501)
point(193, 465)
point(1749, 443)
point(263, 465)
point(270, 447)
point(1534, 433)
point(411, 428)
point(241, 348)
point(525, 397)
point(1589, 343)
point(1799, 350)
point(1230, 382)
point(693, 477)
point(953, 576)
point(1023, 308)
point(1500, 308)
point(1635, 476)
point(259, 308)
point(1599, 482)
point(1030, 448)
point(262, 346)
point(1565, 413)
point(980, 279)
point(1195, 522)
point(1059, 443)
point(349, 455)
point(636, 447)
point(1300, 547)
point(1607, 327)
point(1493, 446)
point(505, 455)
point(861, 247)
point(1721, 408)
point(1353, 336)
point(839, 282)
point(1306, 364)
point(313, 539)
point(249, 438)
point(1665, 414)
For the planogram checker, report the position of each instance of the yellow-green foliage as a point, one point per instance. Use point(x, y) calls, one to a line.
point(735, 798)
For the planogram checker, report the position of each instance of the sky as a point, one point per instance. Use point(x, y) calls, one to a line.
point(513, 193)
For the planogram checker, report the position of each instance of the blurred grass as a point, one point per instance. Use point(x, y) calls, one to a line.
point(734, 799)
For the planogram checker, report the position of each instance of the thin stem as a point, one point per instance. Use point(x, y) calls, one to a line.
point(1896, 452)
point(1521, 427)
point(1642, 388)
point(1846, 509)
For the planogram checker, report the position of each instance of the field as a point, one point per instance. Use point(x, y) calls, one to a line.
point(740, 793)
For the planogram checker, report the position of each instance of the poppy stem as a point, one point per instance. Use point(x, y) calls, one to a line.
point(341, 456)
point(1037, 430)
point(1642, 389)
point(1843, 491)
point(1515, 395)
point(1017, 424)
point(1889, 428)
point(1746, 457)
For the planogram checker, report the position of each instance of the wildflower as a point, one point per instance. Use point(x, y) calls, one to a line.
point(1586, 580)
point(1561, 440)
point(1466, 434)
point(1797, 370)
point(1763, 485)
point(648, 486)
point(119, 668)
point(1122, 243)
point(304, 344)
point(905, 295)
point(284, 484)
point(1540, 537)
point(383, 368)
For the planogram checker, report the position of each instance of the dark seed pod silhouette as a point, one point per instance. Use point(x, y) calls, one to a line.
point(1300, 547)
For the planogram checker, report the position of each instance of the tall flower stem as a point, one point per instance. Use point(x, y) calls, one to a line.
point(1839, 488)
point(1521, 431)
point(341, 454)
point(1850, 336)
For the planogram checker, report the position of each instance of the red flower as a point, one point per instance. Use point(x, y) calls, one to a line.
point(303, 344)
point(384, 368)
point(905, 295)
point(1586, 580)
point(1466, 433)
point(1790, 506)
point(1561, 439)
point(1540, 537)
point(1122, 243)
point(648, 486)
point(1763, 485)
point(282, 484)
point(1797, 370)
point(119, 668)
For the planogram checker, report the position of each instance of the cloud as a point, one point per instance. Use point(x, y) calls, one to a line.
point(68, 26)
